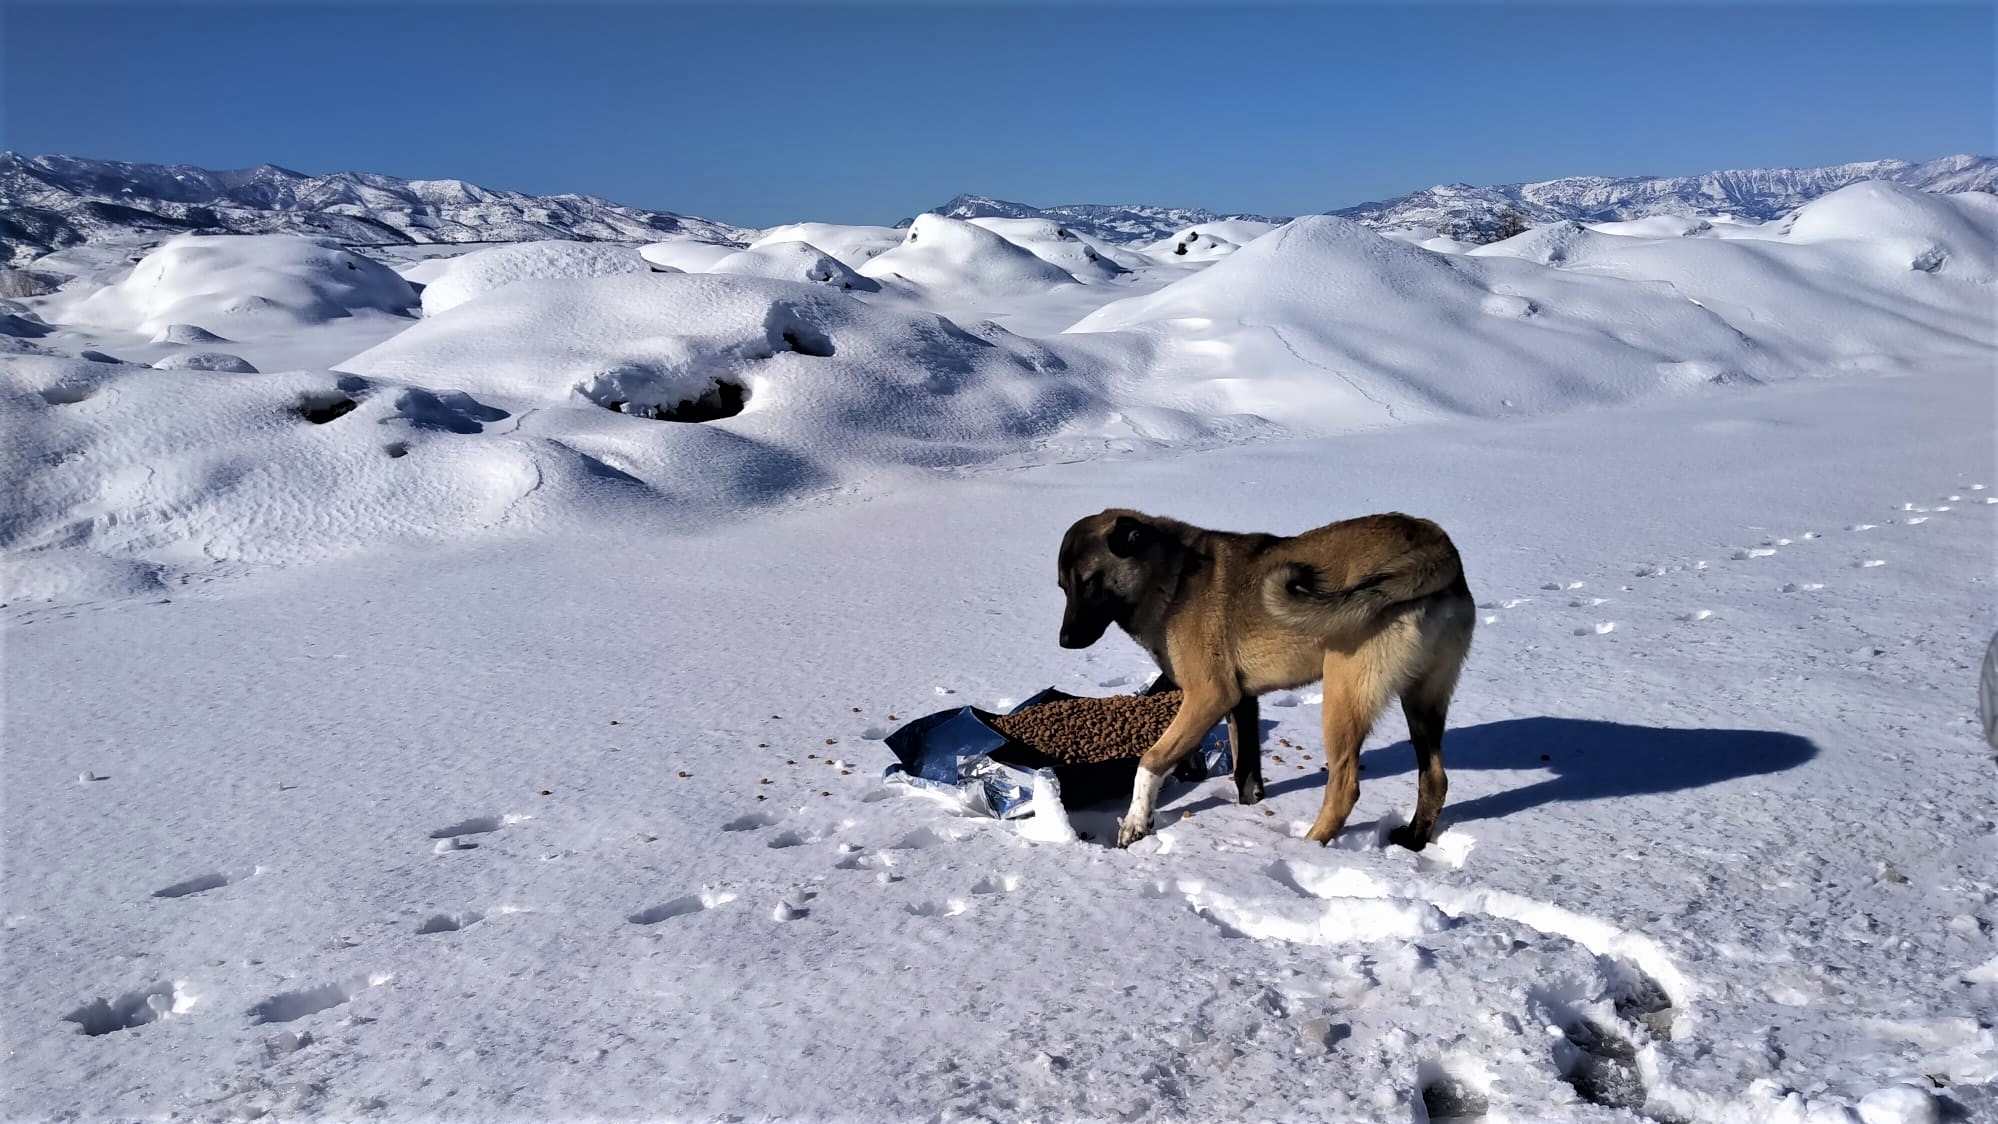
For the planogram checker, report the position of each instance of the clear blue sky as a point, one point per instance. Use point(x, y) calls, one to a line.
point(757, 113)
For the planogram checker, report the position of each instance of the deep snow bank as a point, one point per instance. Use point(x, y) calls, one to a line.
point(1324, 324)
point(1871, 276)
point(959, 262)
point(241, 285)
point(460, 279)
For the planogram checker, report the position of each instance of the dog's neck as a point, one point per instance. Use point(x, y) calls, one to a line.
point(1181, 559)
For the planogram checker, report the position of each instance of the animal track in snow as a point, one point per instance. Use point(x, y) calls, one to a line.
point(1869, 563)
point(996, 884)
point(452, 838)
point(1697, 615)
point(1452, 1098)
point(1602, 1067)
point(132, 1009)
point(1862, 526)
point(293, 1005)
point(1802, 587)
point(787, 839)
point(1588, 602)
point(751, 822)
point(681, 907)
point(449, 922)
point(201, 884)
point(1752, 552)
point(1600, 628)
point(949, 908)
point(924, 837)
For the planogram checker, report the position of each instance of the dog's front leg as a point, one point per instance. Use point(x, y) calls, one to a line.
point(1245, 743)
point(1198, 712)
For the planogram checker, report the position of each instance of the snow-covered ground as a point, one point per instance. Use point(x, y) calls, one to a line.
point(401, 733)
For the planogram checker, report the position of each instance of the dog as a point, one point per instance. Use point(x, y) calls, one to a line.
point(1375, 607)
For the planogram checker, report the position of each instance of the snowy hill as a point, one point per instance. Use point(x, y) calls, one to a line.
point(1763, 193)
point(452, 682)
point(1129, 223)
point(56, 201)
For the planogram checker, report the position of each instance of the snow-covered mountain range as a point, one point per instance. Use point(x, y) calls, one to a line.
point(1126, 223)
point(1479, 213)
point(48, 202)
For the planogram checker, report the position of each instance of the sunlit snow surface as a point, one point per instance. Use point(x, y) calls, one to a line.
point(414, 726)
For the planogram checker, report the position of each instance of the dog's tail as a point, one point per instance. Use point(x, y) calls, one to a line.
point(1295, 593)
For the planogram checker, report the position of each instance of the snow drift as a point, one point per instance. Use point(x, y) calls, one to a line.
point(1325, 325)
point(242, 285)
point(481, 271)
point(959, 262)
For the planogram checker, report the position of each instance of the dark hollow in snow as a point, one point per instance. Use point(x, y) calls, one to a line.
point(1448, 1098)
point(1092, 729)
point(722, 400)
point(320, 408)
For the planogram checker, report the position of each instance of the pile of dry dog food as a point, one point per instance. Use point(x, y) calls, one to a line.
point(1079, 731)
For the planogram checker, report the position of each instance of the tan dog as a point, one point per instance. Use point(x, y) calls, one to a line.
point(1376, 607)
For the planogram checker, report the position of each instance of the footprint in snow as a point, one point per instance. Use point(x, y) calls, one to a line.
point(1697, 615)
point(291, 1006)
point(949, 908)
point(751, 822)
point(1869, 563)
point(1802, 587)
point(132, 1009)
point(1451, 1098)
point(201, 884)
point(1600, 628)
point(996, 884)
point(1752, 552)
point(1862, 526)
point(681, 906)
point(452, 838)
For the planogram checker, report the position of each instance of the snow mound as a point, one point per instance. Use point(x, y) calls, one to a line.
point(186, 334)
point(852, 245)
point(794, 261)
point(685, 254)
point(482, 271)
point(1326, 325)
point(1905, 228)
point(951, 260)
point(818, 374)
point(243, 284)
point(1209, 241)
point(1869, 276)
point(1057, 245)
point(205, 361)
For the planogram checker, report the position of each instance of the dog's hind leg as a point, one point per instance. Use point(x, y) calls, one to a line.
point(1245, 745)
point(1426, 714)
point(1358, 683)
point(1198, 712)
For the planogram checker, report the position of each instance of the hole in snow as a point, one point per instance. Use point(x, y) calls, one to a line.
point(805, 341)
point(323, 406)
point(723, 399)
point(66, 395)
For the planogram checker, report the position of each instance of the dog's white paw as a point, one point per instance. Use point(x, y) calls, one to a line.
point(1130, 830)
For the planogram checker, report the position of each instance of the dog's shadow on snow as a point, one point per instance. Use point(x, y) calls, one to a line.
point(1589, 760)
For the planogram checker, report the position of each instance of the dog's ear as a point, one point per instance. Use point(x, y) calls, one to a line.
point(1128, 537)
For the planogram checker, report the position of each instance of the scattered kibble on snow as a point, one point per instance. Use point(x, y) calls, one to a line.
point(685, 773)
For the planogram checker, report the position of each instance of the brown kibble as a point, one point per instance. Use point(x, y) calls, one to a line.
point(759, 796)
point(789, 761)
point(545, 792)
point(823, 792)
point(685, 773)
point(832, 741)
point(776, 717)
point(856, 710)
point(844, 772)
point(892, 718)
point(1269, 811)
point(763, 745)
point(1086, 730)
point(765, 780)
point(613, 721)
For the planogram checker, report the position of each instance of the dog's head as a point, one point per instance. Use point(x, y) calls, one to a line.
point(1105, 562)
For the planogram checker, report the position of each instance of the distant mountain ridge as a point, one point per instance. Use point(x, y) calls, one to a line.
point(1476, 213)
point(1125, 223)
point(48, 202)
